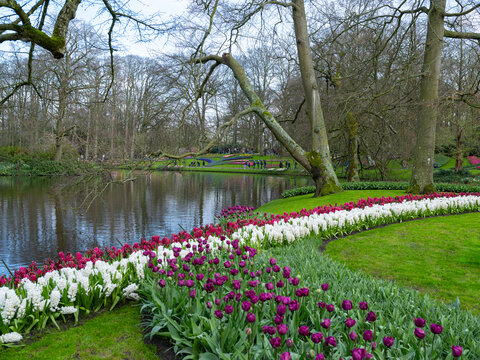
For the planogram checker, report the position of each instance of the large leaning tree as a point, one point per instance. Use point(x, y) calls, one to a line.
point(317, 161)
point(422, 174)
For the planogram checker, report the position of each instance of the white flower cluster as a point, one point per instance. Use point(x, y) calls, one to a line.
point(129, 292)
point(63, 291)
point(339, 222)
point(10, 338)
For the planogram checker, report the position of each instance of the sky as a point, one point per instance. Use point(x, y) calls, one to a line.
point(166, 8)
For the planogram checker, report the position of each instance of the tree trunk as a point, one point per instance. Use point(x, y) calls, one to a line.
point(422, 174)
point(319, 157)
point(59, 132)
point(459, 150)
point(311, 161)
point(134, 135)
point(352, 168)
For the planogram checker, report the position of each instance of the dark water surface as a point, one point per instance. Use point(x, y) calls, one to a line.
point(41, 216)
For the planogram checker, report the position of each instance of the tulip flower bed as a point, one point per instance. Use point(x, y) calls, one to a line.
point(102, 279)
point(217, 300)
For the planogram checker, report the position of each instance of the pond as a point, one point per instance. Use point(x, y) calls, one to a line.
point(41, 216)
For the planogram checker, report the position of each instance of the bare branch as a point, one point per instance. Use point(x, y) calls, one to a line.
point(463, 12)
point(217, 137)
point(12, 4)
point(30, 12)
point(462, 35)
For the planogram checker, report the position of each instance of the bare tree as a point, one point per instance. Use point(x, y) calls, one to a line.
point(422, 174)
point(317, 161)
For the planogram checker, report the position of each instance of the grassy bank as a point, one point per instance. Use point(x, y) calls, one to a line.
point(438, 256)
point(110, 335)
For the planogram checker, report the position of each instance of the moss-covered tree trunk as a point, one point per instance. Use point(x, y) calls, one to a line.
point(319, 157)
point(422, 174)
point(352, 168)
point(309, 160)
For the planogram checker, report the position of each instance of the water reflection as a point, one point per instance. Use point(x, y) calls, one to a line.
point(41, 216)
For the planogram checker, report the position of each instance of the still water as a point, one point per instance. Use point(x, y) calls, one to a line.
point(41, 216)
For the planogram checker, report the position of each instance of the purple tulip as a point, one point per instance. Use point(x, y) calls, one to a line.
point(246, 305)
point(280, 284)
point(285, 356)
point(326, 323)
point(325, 287)
point(350, 322)
point(457, 351)
point(209, 304)
point(228, 309)
point(330, 340)
point(436, 328)
point(278, 319)
point(330, 308)
point(419, 333)
point(346, 305)
point(319, 357)
point(293, 305)
point(281, 309)
point(368, 335)
point(419, 322)
point(289, 343)
point(317, 337)
point(358, 354)
point(269, 330)
point(276, 342)
point(363, 305)
point(322, 305)
point(193, 293)
point(304, 330)
point(273, 261)
point(282, 329)
point(353, 336)
point(269, 286)
point(218, 313)
point(250, 317)
point(388, 341)
point(371, 317)
point(162, 283)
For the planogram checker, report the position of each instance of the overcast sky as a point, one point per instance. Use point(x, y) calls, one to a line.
point(167, 9)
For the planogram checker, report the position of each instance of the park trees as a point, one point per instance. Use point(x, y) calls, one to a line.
point(317, 161)
point(422, 174)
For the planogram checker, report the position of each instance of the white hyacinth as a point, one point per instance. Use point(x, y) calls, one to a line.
point(66, 310)
point(10, 338)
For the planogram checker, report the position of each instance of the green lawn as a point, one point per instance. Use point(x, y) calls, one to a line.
point(110, 335)
point(297, 203)
point(439, 256)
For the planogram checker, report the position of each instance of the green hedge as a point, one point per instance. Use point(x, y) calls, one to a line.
point(384, 185)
